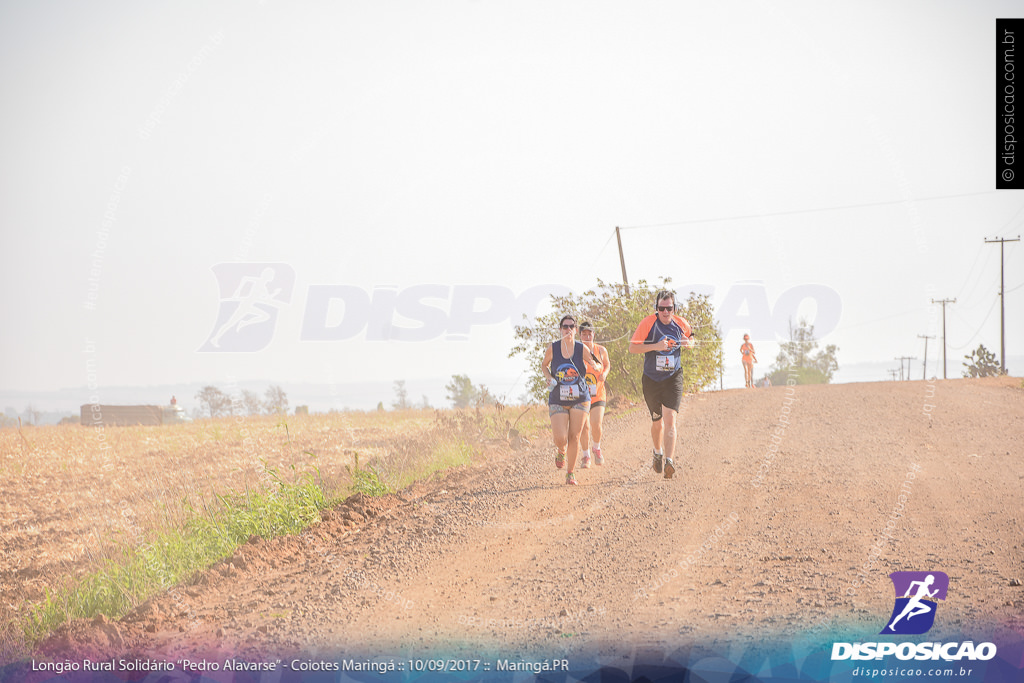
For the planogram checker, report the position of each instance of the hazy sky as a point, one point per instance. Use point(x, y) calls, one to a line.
point(402, 157)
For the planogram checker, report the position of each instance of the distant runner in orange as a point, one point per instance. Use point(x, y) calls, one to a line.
point(595, 378)
point(749, 358)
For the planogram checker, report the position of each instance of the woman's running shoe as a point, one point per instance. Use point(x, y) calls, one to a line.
point(585, 462)
point(598, 457)
point(559, 459)
point(570, 479)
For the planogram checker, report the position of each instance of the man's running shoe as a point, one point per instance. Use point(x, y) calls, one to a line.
point(670, 469)
point(657, 462)
point(570, 479)
point(585, 462)
point(559, 459)
point(598, 457)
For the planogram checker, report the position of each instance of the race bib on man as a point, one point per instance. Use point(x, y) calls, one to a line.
point(665, 363)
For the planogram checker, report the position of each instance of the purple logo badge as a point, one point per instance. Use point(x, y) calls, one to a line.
point(917, 596)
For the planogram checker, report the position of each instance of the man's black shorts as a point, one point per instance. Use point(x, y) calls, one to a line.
point(668, 393)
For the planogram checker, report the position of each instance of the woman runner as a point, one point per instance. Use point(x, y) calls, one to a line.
point(564, 368)
point(592, 427)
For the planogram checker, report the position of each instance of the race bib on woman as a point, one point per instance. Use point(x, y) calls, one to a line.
point(569, 392)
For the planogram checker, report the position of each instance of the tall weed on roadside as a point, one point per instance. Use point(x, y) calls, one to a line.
point(174, 555)
point(187, 532)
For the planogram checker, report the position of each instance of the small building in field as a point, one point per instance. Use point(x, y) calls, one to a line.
point(94, 414)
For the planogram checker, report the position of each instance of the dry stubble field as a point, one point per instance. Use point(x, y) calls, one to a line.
point(74, 496)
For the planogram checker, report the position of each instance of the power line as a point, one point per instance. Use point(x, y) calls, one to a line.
point(970, 272)
point(980, 327)
point(601, 253)
point(1012, 218)
point(803, 211)
point(887, 317)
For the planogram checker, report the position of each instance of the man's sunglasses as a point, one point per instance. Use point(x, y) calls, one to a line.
point(568, 327)
point(666, 308)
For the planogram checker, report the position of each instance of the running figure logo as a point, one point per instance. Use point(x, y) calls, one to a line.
point(914, 612)
point(250, 296)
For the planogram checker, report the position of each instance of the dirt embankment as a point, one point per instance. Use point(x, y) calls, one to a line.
point(790, 508)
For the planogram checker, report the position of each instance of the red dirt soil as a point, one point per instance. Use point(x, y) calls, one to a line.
point(502, 557)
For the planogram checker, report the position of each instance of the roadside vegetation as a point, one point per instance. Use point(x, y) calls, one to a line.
point(799, 362)
point(146, 508)
point(982, 363)
point(615, 313)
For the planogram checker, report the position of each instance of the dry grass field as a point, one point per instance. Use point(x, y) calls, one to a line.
point(76, 497)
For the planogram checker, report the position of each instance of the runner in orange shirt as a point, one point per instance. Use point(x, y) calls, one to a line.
point(749, 358)
point(660, 337)
point(595, 378)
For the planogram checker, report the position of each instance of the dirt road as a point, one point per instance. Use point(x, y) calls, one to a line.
point(789, 510)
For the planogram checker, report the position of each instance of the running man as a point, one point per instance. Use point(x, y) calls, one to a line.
point(595, 379)
point(564, 368)
point(749, 358)
point(660, 338)
point(914, 605)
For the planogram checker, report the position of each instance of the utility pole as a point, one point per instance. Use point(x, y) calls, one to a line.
point(924, 373)
point(944, 302)
point(893, 373)
point(908, 359)
point(622, 259)
point(1002, 300)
